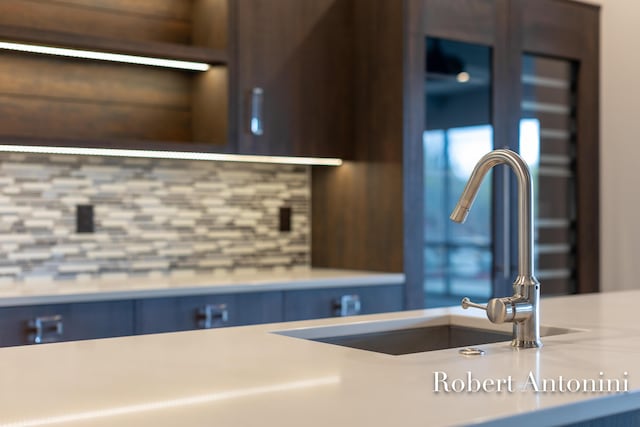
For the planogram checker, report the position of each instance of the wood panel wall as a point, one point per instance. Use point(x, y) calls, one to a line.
point(151, 20)
point(51, 97)
point(357, 209)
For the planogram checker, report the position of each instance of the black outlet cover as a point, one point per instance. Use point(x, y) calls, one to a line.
point(84, 219)
point(285, 219)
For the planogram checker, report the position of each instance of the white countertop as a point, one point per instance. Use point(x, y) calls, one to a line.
point(52, 292)
point(248, 376)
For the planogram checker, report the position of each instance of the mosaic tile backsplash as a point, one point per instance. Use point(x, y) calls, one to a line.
point(152, 217)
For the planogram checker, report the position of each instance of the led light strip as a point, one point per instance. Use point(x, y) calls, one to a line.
point(103, 56)
point(177, 155)
point(169, 63)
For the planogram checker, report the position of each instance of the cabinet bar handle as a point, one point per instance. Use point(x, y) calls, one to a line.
point(46, 329)
point(347, 305)
point(257, 95)
point(212, 315)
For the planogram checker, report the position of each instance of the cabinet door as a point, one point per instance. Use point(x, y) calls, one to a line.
point(156, 315)
point(294, 88)
point(559, 86)
point(64, 322)
point(318, 303)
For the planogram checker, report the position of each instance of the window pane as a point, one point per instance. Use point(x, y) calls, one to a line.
point(466, 147)
point(457, 258)
point(434, 184)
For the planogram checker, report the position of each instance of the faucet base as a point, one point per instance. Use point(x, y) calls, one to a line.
point(526, 344)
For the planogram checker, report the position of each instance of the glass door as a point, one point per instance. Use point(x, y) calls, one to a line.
point(548, 144)
point(517, 74)
point(457, 259)
point(559, 61)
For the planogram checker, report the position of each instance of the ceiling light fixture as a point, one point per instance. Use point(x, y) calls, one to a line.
point(463, 77)
point(104, 56)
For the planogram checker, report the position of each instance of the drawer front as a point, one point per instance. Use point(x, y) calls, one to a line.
point(156, 315)
point(64, 322)
point(100, 320)
point(318, 303)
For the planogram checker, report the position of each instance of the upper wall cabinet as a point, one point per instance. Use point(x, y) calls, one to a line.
point(293, 77)
point(277, 78)
point(64, 100)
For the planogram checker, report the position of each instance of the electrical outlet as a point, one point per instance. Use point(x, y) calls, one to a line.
point(285, 219)
point(84, 219)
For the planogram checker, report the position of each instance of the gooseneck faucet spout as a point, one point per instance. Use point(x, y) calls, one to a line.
point(523, 307)
point(525, 201)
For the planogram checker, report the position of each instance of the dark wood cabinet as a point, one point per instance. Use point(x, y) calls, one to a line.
point(47, 323)
point(296, 54)
point(171, 314)
point(357, 210)
point(543, 74)
point(333, 302)
point(65, 322)
point(371, 215)
point(294, 79)
point(566, 33)
point(99, 103)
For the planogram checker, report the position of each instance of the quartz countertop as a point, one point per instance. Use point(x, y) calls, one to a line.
point(254, 375)
point(90, 290)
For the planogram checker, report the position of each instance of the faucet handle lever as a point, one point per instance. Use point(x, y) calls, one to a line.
point(466, 303)
point(501, 310)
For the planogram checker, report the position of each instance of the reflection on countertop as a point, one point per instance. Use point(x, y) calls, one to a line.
point(89, 290)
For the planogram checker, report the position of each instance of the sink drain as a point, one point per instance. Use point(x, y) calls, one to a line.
point(471, 351)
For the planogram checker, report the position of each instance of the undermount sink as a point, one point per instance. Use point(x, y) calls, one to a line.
point(405, 336)
point(417, 340)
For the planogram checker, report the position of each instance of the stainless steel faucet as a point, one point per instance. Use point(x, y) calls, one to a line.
point(523, 307)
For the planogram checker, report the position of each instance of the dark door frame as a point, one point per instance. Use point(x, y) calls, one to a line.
point(511, 28)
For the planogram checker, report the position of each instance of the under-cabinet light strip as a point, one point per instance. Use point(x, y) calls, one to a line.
point(103, 56)
point(178, 155)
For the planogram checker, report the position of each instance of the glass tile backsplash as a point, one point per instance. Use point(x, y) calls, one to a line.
point(152, 217)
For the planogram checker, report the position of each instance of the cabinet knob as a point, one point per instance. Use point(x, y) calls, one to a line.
point(46, 329)
point(347, 305)
point(256, 121)
point(212, 315)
